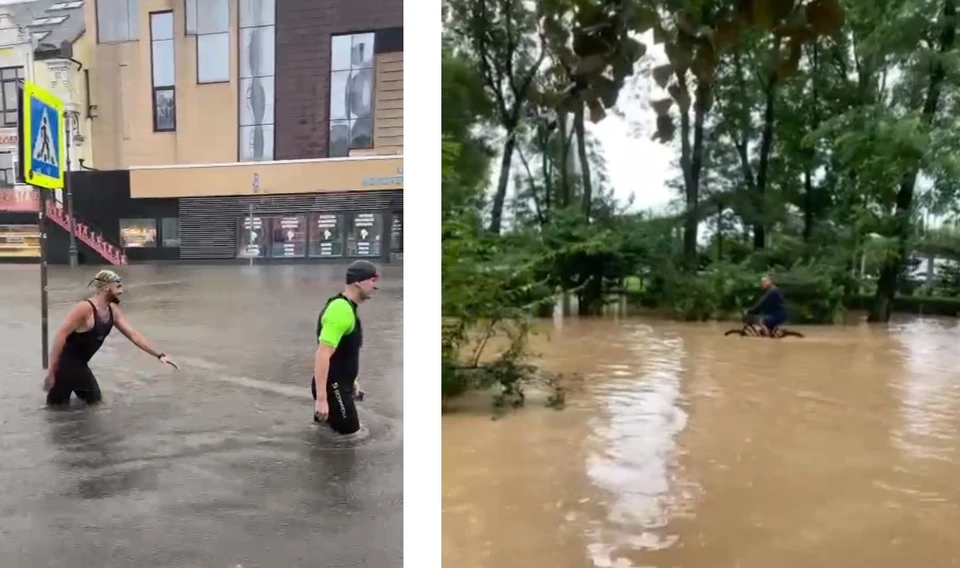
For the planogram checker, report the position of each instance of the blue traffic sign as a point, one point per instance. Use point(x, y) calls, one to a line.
point(41, 133)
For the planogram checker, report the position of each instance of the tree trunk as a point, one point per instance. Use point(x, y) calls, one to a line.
point(808, 194)
point(496, 213)
point(766, 145)
point(893, 265)
point(587, 197)
point(691, 162)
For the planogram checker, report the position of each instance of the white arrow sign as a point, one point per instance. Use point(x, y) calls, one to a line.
point(326, 234)
point(363, 234)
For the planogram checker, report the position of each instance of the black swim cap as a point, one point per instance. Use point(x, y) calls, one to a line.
point(361, 270)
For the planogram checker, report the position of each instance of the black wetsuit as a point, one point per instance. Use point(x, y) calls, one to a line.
point(342, 414)
point(73, 373)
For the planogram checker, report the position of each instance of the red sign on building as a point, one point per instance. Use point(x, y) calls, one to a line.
point(22, 200)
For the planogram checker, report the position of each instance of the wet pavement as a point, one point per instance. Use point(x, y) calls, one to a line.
point(218, 466)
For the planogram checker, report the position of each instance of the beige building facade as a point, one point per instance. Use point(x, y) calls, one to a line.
point(225, 129)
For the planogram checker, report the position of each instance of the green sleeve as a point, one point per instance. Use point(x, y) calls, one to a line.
point(337, 320)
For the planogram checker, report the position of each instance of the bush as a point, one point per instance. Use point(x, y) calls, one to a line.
point(725, 290)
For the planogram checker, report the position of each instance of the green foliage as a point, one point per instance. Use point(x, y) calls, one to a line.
point(811, 138)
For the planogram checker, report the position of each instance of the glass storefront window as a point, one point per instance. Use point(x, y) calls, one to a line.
point(251, 241)
point(364, 233)
point(138, 233)
point(170, 232)
point(19, 241)
point(288, 236)
point(396, 233)
point(326, 235)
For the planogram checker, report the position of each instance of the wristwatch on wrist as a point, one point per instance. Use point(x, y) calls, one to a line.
point(161, 355)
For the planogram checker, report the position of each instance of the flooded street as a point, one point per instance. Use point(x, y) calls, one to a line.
point(687, 449)
point(218, 466)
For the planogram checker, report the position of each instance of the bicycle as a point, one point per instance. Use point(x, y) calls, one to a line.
point(753, 329)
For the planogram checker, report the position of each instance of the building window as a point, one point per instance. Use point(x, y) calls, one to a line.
point(138, 233)
point(209, 20)
point(257, 61)
point(251, 241)
point(351, 93)
point(117, 20)
point(19, 241)
point(8, 176)
point(364, 234)
point(288, 236)
point(170, 232)
point(48, 21)
point(9, 79)
point(164, 72)
point(326, 235)
point(396, 232)
point(65, 5)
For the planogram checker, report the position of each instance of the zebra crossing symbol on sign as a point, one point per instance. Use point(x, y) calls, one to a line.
point(44, 149)
point(42, 139)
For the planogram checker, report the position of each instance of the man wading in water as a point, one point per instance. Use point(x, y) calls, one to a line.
point(83, 331)
point(340, 337)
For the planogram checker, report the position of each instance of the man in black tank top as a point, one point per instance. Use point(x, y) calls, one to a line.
point(83, 332)
point(339, 339)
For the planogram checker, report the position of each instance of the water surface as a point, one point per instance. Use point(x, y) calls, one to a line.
point(687, 449)
point(214, 467)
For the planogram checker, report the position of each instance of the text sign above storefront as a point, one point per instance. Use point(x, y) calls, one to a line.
point(19, 200)
point(387, 180)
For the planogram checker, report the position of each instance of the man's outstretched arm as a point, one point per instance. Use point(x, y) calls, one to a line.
point(133, 335)
point(137, 338)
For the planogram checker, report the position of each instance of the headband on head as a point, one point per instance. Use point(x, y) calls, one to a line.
point(104, 278)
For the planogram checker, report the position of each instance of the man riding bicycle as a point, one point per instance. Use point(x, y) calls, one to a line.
point(771, 306)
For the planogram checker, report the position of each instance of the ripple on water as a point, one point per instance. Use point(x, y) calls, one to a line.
point(632, 452)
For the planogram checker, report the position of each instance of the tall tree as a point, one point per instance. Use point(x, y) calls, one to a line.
point(501, 37)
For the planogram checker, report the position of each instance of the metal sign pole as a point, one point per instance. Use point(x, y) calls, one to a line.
point(256, 189)
point(74, 260)
point(250, 234)
point(41, 165)
point(44, 319)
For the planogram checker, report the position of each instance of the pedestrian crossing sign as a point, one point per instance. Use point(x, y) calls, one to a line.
point(42, 138)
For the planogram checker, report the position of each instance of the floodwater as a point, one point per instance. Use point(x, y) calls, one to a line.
point(218, 466)
point(687, 449)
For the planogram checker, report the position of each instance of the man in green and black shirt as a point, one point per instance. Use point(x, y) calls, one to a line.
point(340, 336)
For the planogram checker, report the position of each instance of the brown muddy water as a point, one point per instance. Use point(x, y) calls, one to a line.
point(687, 449)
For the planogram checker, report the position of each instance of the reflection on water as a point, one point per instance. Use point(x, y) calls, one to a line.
point(688, 449)
point(634, 443)
point(930, 396)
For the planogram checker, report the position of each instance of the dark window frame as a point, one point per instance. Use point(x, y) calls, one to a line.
point(10, 179)
point(373, 95)
point(4, 85)
point(155, 89)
